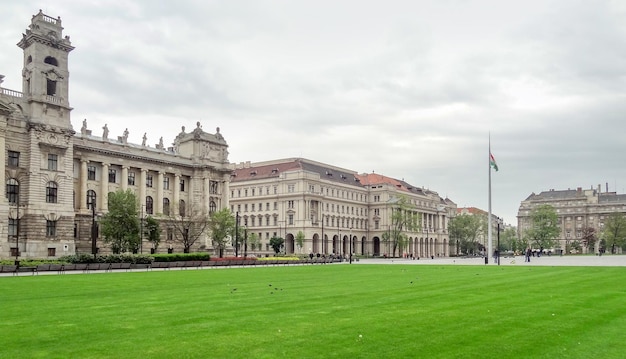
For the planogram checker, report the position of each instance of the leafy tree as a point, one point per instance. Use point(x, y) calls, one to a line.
point(153, 231)
point(120, 226)
point(466, 229)
point(544, 227)
point(276, 243)
point(403, 219)
point(254, 240)
point(189, 224)
point(509, 240)
point(589, 238)
point(222, 226)
point(300, 239)
point(614, 231)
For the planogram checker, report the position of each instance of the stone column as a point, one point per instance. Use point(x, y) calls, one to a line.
point(82, 197)
point(207, 195)
point(142, 187)
point(159, 199)
point(176, 201)
point(124, 178)
point(104, 187)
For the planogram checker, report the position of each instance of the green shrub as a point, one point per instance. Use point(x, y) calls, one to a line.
point(181, 257)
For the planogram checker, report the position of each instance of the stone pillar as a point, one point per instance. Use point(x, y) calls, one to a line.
point(207, 195)
point(82, 197)
point(142, 187)
point(124, 178)
point(223, 192)
point(159, 200)
point(104, 187)
point(176, 203)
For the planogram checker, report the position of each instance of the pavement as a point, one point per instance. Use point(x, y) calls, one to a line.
point(582, 260)
point(605, 260)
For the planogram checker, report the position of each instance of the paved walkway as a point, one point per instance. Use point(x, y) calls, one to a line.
point(583, 260)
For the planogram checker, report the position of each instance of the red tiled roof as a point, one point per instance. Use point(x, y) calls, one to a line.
point(264, 171)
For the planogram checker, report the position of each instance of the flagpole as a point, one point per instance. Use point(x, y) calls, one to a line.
point(489, 249)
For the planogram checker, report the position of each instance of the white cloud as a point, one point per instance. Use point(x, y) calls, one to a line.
point(410, 89)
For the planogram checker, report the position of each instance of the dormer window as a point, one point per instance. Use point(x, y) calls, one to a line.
point(275, 170)
point(253, 173)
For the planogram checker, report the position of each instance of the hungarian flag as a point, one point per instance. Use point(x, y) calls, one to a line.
point(492, 162)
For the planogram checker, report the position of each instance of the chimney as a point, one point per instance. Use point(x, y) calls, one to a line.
point(607, 186)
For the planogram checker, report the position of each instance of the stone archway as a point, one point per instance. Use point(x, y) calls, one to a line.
point(289, 243)
point(315, 244)
point(376, 243)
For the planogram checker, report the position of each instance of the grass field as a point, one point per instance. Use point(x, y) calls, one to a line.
point(323, 311)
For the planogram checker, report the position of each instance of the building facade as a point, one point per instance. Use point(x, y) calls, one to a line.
point(58, 180)
point(336, 210)
point(577, 210)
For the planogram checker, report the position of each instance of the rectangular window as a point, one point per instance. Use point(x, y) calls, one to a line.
point(12, 227)
point(291, 188)
point(290, 219)
point(51, 87)
point(51, 192)
point(131, 178)
point(12, 190)
point(51, 228)
point(182, 185)
point(253, 207)
point(213, 187)
point(14, 159)
point(112, 175)
point(166, 183)
point(170, 234)
point(149, 181)
point(52, 161)
point(91, 173)
point(289, 204)
point(52, 252)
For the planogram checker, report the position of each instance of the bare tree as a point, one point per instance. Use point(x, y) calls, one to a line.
point(189, 223)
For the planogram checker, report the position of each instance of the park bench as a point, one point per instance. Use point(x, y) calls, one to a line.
point(11, 268)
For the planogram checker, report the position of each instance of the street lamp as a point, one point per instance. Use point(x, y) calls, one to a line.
point(350, 245)
point(141, 231)
point(17, 232)
point(498, 245)
point(236, 232)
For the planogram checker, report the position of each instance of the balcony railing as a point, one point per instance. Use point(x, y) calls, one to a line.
point(12, 93)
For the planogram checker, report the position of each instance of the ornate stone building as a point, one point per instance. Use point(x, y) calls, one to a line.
point(577, 209)
point(330, 206)
point(58, 180)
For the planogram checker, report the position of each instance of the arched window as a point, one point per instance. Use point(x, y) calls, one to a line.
point(51, 61)
point(91, 199)
point(51, 192)
point(13, 190)
point(181, 208)
point(166, 206)
point(149, 205)
point(212, 207)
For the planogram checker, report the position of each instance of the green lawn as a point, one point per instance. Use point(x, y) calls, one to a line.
point(322, 311)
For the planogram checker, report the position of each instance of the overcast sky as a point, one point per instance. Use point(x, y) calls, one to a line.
point(407, 89)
